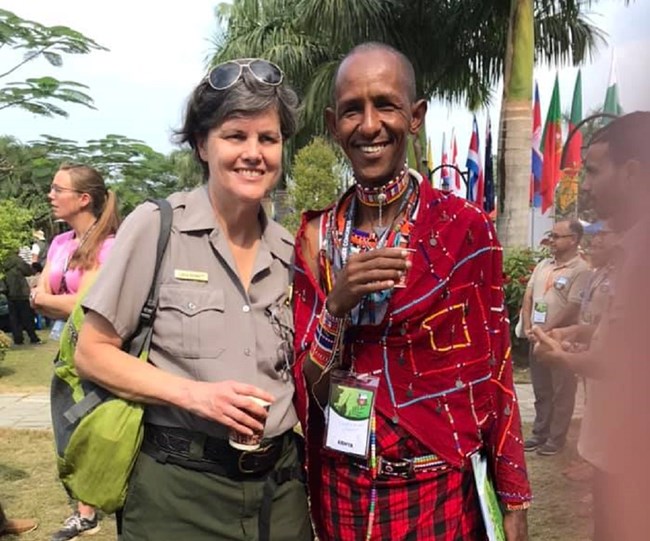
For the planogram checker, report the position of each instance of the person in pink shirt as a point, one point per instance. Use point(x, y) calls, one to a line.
point(79, 197)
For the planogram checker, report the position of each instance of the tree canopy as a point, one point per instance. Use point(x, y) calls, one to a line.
point(457, 47)
point(41, 95)
point(132, 169)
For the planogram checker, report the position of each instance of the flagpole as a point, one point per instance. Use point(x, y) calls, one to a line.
point(532, 227)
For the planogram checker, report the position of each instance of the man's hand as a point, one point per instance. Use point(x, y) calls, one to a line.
point(547, 349)
point(515, 525)
point(364, 273)
point(529, 334)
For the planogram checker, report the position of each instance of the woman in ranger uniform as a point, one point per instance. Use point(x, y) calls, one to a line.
point(222, 329)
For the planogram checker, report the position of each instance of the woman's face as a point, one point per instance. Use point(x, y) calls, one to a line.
point(66, 201)
point(244, 156)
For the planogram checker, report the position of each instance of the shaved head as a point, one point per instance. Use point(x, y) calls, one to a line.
point(376, 47)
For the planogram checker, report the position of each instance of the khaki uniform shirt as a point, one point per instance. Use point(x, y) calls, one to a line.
point(559, 285)
point(207, 327)
point(595, 303)
point(597, 296)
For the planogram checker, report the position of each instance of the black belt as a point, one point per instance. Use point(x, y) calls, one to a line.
point(197, 451)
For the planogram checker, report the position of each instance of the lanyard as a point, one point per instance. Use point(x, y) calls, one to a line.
point(63, 287)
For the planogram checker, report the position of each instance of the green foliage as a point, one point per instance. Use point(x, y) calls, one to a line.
point(35, 40)
point(518, 265)
point(25, 175)
point(15, 227)
point(457, 47)
point(5, 343)
point(316, 180)
point(132, 169)
point(33, 95)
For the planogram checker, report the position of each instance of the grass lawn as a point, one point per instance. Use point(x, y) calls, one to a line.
point(28, 368)
point(29, 488)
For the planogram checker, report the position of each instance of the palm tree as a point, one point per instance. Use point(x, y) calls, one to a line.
point(460, 50)
point(515, 127)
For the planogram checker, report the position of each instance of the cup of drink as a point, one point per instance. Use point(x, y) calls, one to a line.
point(243, 442)
point(409, 257)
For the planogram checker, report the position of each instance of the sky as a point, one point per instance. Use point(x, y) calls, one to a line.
point(158, 53)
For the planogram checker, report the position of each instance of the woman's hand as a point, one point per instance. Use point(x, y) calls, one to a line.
point(33, 296)
point(366, 272)
point(229, 403)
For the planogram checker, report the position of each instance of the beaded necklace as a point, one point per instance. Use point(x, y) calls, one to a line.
point(376, 196)
point(383, 195)
point(344, 238)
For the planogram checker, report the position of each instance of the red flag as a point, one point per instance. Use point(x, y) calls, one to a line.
point(551, 149)
point(573, 151)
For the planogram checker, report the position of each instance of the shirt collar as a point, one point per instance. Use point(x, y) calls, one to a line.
point(199, 216)
point(571, 263)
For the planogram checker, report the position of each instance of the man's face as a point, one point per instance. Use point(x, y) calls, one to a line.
point(561, 239)
point(373, 115)
point(602, 181)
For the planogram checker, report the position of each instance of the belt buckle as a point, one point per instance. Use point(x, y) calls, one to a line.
point(251, 454)
point(404, 468)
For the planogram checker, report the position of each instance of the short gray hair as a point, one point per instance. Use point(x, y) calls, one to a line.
point(208, 108)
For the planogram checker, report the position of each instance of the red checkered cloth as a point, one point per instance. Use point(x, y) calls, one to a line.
point(440, 505)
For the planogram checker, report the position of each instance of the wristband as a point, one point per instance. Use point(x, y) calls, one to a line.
point(328, 338)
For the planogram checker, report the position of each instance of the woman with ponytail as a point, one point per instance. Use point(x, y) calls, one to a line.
point(80, 198)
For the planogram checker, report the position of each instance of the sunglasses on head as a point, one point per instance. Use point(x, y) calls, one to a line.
point(225, 75)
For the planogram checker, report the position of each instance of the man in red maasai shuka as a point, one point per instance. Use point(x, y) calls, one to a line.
point(404, 282)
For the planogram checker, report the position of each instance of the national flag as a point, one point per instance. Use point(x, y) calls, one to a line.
point(488, 203)
point(458, 183)
point(538, 160)
point(568, 188)
point(551, 149)
point(475, 188)
point(445, 177)
point(612, 104)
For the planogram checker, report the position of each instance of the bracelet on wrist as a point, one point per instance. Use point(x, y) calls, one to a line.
point(328, 338)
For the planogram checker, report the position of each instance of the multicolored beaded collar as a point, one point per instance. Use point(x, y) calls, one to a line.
point(386, 194)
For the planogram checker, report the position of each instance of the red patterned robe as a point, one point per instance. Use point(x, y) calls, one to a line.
point(443, 355)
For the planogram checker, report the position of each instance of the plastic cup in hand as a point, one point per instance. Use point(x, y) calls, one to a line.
point(409, 257)
point(244, 442)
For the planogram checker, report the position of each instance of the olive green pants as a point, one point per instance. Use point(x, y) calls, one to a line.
point(171, 503)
